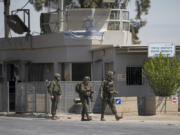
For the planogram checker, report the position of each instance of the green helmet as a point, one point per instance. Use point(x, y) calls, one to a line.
point(86, 78)
point(57, 75)
point(110, 73)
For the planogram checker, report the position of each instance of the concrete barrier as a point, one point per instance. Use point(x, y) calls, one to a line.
point(160, 105)
point(128, 106)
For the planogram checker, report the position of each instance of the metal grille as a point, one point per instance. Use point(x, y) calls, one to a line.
point(33, 97)
point(134, 75)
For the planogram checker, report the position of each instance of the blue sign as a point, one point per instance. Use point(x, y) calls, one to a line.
point(117, 101)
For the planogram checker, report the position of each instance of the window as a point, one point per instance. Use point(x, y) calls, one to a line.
point(40, 72)
point(79, 70)
point(134, 75)
point(115, 15)
point(108, 67)
point(125, 26)
point(125, 15)
point(113, 25)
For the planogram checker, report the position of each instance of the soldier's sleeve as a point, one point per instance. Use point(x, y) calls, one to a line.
point(60, 91)
point(82, 88)
point(101, 88)
point(51, 87)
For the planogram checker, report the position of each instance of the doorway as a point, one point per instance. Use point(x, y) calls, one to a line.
point(11, 77)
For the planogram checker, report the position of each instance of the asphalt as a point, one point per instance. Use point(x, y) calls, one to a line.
point(71, 125)
point(161, 118)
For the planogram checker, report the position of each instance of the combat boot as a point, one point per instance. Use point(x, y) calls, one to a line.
point(53, 117)
point(102, 117)
point(89, 118)
point(118, 117)
point(83, 119)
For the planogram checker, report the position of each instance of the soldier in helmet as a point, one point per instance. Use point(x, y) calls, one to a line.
point(85, 92)
point(107, 92)
point(55, 93)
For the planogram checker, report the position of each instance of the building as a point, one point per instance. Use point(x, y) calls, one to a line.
point(91, 42)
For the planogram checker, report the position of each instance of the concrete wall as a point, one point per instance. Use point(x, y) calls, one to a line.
point(115, 38)
point(4, 102)
point(1, 97)
point(128, 106)
point(159, 105)
point(49, 55)
point(121, 62)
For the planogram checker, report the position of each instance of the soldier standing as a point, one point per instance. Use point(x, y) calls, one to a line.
point(107, 92)
point(55, 93)
point(85, 92)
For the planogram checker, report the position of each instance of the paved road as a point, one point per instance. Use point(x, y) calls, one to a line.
point(15, 126)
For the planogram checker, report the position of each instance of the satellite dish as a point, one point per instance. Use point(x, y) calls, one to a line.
point(16, 24)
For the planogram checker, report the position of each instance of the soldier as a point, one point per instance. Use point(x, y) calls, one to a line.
point(85, 92)
point(107, 92)
point(55, 93)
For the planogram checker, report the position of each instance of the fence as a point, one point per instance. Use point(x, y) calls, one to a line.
point(33, 97)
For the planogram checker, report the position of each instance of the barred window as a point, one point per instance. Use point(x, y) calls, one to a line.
point(126, 26)
point(115, 15)
point(113, 25)
point(134, 75)
point(125, 15)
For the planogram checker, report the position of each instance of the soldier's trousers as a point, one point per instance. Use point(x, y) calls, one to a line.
point(54, 104)
point(109, 102)
point(85, 105)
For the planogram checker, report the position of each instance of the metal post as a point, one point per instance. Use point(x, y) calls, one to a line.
point(6, 13)
point(7, 86)
point(61, 15)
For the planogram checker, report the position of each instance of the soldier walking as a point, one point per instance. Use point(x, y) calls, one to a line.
point(85, 93)
point(107, 92)
point(55, 93)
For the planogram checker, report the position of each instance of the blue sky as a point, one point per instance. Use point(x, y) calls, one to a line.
point(163, 20)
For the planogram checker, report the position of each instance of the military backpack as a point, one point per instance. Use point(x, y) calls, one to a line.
point(78, 88)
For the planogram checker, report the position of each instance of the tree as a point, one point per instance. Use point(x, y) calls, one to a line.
point(163, 75)
point(142, 7)
point(39, 4)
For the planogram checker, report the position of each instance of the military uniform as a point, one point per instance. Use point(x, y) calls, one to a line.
point(84, 96)
point(107, 88)
point(107, 92)
point(55, 91)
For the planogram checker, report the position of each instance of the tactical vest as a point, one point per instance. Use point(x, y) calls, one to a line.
point(108, 88)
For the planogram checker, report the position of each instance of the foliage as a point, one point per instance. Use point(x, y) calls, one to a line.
point(39, 4)
point(142, 7)
point(163, 75)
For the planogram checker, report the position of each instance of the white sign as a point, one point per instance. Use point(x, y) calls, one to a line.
point(155, 49)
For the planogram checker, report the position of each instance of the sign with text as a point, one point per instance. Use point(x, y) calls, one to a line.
point(165, 49)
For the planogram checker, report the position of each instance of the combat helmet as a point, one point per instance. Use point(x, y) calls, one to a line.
point(86, 78)
point(110, 73)
point(57, 75)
